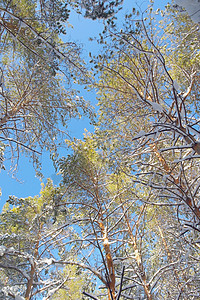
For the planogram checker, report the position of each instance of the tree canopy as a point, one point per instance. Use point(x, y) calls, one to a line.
point(124, 221)
point(37, 69)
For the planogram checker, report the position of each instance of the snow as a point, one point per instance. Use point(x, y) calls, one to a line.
point(11, 250)
point(2, 250)
point(31, 261)
point(140, 134)
point(51, 292)
point(157, 107)
point(48, 261)
point(17, 297)
point(68, 104)
point(176, 86)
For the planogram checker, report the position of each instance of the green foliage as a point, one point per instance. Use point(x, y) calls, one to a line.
point(74, 287)
point(34, 234)
point(25, 224)
point(129, 198)
point(181, 39)
point(36, 70)
point(101, 9)
point(143, 121)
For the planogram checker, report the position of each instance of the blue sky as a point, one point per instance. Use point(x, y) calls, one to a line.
point(26, 183)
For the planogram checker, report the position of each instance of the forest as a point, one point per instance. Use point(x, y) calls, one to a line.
point(124, 221)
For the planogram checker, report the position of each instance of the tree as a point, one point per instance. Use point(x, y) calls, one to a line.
point(192, 8)
point(128, 239)
point(33, 236)
point(36, 70)
point(126, 215)
point(167, 141)
point(102, 209)
point(99, 9)
point(77, 282)
point(142, 77)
